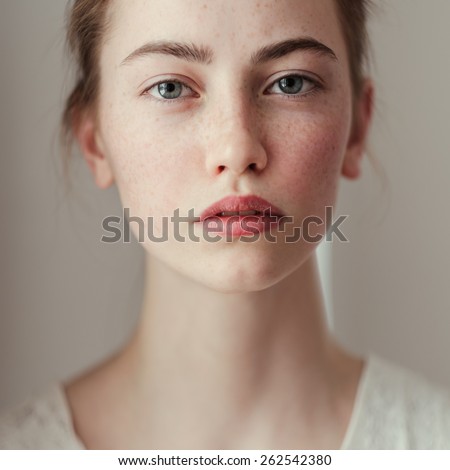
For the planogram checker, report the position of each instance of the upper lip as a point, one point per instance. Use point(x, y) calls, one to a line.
point(240, 204)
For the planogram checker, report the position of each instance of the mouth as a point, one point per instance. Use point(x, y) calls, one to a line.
point(240, 206)
point(237, 216)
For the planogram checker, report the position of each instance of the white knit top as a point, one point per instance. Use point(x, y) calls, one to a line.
point(394, 409)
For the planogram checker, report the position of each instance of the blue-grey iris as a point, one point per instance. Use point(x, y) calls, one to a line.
point(170, 90)
point(291, 85)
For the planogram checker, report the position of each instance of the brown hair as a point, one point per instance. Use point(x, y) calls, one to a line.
point(87, 24)
point(353, 16)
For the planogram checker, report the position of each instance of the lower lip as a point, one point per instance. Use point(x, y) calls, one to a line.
point(237, 226)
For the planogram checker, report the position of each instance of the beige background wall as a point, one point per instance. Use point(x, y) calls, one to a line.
point(67, 301)
point(391, 282)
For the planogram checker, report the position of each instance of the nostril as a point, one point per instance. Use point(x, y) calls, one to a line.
point(252, 167)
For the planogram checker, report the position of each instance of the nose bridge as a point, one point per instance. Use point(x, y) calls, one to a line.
point(234, 134)
point(234, 111)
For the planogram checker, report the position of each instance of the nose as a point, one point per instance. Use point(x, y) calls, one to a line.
point(235, 143)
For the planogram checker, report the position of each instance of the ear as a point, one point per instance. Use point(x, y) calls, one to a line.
point(90, 142)
point(363, 110)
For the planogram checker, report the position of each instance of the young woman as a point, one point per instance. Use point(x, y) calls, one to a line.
point(236, 116)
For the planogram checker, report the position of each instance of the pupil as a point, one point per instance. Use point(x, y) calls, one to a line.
point(291, 85)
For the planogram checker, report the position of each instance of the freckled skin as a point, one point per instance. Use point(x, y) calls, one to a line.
point(166, 156)
point(232, 339)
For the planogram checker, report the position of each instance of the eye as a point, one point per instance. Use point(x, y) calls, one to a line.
point(295, 84)
point(168, 90)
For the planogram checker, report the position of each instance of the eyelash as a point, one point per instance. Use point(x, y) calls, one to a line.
point(318, 86)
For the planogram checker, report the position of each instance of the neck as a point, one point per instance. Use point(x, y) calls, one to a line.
point(229, 362)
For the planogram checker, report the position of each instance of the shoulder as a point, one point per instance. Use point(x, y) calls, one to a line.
point(40, 422)
point(397, 408)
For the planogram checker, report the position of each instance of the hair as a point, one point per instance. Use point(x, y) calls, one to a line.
point(353, 15)
point(87, 24)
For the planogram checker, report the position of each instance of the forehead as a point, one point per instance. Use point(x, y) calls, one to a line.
point(229, 27)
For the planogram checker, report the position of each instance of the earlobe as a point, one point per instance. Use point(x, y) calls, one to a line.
point(90, 144)
point(351, 166)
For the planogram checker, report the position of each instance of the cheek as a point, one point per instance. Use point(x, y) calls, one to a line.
point(309, 156)
point(151, 168)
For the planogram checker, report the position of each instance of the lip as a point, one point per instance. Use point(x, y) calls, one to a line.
point(240, 204)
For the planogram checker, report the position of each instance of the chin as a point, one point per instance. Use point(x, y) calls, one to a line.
point(244, 274)
point(235, 269)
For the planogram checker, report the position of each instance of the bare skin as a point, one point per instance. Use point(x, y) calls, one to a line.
point(195, 377)
point(232, 350)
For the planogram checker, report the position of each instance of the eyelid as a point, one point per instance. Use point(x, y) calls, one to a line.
point(305, 74)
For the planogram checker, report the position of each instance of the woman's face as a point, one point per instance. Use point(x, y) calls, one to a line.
point(236, 121)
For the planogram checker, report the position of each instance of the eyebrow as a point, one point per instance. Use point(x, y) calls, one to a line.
point(205, 55)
